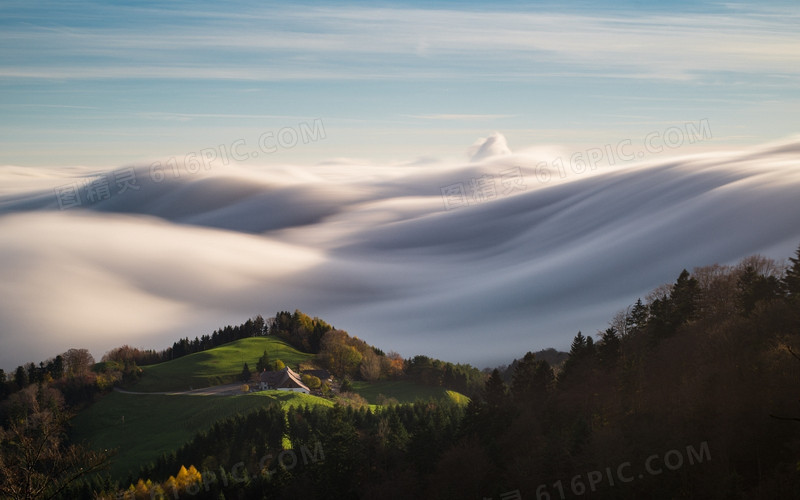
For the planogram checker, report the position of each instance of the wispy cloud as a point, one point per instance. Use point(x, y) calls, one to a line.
point(457, 116)
point(334, 43)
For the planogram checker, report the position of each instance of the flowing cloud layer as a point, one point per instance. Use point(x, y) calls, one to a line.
point(378, 249)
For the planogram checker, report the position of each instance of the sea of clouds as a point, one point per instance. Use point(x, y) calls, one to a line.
point(475, 261)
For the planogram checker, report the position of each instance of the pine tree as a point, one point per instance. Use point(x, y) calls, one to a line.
point(495, 391)
point(578, 345)
point(754, 288)
point(246, 373)
point(638, 317)
point(684, 297)
point(608, 349)
point(263, 363)
point(21, 378)
point(791, 280)
point(523, 377)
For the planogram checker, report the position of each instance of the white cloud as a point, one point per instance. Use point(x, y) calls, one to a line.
point(371, 249)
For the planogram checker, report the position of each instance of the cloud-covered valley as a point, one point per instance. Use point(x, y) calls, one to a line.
point(379, 250)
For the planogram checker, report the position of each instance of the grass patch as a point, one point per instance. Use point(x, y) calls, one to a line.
point(220, 365)
point(155, 424)
point(403, 391)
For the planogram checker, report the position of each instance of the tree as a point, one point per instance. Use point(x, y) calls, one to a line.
point(791, 280)
point(259, 326)
point(246, 375)
point(638, 317)
point(3, 387)
point(35, 461)
point(311, 381)
point(56, 367)
point(20, 378)
point(581, 349)
point(392, 364)
point(522, 377)
point(77, 362)
point(532, 379)
point(608, 349)
point(370, 366)
point(342, 359)
point(755, 287)
point(684, 297)
point(581, 346)
point(263, 362)
point(495, 391)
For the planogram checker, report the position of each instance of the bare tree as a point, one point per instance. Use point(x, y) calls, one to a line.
point(370, 366)
point(77, 361)
point(621, 321)
point(35, 461)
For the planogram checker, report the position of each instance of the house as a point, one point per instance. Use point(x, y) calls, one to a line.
point(283, 380)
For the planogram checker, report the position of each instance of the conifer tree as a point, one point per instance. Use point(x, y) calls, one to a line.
point(791, 280)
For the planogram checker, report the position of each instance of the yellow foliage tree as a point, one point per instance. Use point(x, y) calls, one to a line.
point(170, 486)
point(141, 491)
point(187, 478)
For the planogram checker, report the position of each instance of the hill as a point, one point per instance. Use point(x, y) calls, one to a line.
point(143, 426)
point(220, 365)
point(403, 391)
point(145, 423)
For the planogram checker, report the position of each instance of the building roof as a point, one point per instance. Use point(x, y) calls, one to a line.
point(283, 379)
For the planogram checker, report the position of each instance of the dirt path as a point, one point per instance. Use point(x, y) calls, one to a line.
point(217, 390)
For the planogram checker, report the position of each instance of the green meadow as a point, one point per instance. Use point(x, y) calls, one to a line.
point(220, 365)
point(143, 426)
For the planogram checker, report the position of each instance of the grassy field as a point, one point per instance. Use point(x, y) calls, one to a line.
point(404, 392)
point(220, 365)
point(154, 423)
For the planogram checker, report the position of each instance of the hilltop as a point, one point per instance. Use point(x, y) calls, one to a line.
point(142, 427)
point(219, 365)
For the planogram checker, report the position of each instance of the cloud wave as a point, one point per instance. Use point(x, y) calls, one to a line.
point(375, 249)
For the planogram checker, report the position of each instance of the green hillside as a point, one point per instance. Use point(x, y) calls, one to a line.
point(220, 365)
point(404, 392)
point(143, 426)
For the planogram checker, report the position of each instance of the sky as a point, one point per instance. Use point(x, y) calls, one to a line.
point(114, 83)
point(458, 179)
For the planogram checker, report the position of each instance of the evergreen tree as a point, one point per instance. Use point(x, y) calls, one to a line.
point(523, 377)
point(578, 346)
point(495, 391)
point(21, 378)
point(754, 288)
point(263, 363)
point(791, 280)
point(684, 296)
point(608, 349)
point(246, 375)
point(638, 317)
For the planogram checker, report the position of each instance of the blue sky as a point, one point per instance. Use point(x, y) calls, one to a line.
point(101, 84)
